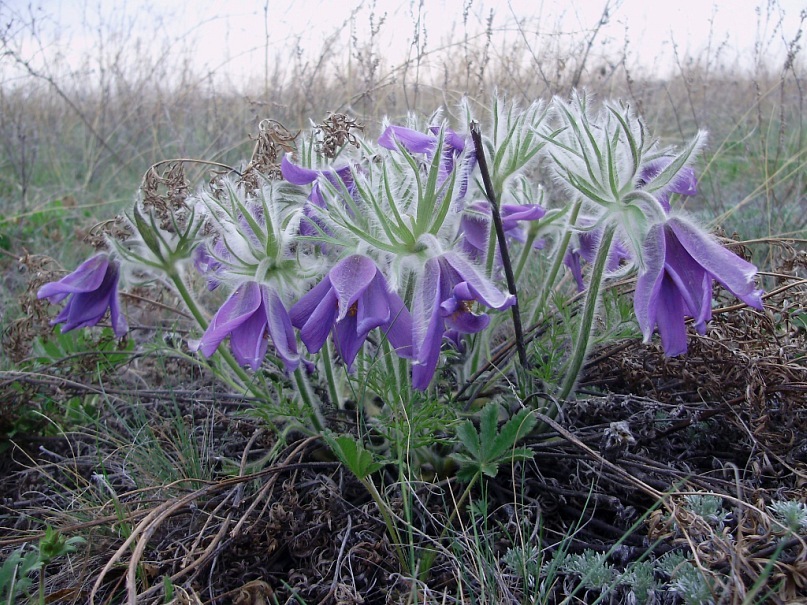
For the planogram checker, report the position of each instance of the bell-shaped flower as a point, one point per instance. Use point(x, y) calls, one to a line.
point(350, 301)
point(475, 226)
point(681, 261)
point(92, 288)
point(444, 299)
point(252, 315)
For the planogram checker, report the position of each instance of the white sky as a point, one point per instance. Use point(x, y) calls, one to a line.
point(231, 34)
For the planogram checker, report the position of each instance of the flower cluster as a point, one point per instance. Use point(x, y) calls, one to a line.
point(390, 244)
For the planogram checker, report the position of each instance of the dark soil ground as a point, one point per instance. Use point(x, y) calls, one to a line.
point(281, 521)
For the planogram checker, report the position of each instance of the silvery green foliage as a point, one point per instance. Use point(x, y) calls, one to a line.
point(593, 569)
point(686, 579)
point(710, 508)
point(254, 233)
point(791, 514)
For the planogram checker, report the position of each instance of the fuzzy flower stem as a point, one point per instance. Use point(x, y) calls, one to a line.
point(304, 389)
point(589, 308)
point(526, 252)
point(556, 265)
point(330, 377)
point(476, 135)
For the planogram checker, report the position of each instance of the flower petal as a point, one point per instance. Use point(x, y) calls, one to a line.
point(482, 288)
point(280, 328)
point(373, 305)
point(249, 340)
point(350, 278)
point(670, 318)
point(735, 274)
point(648, 284)
point(86, 278)
point(297, 175)
point(238, 308)
point(348, 340)
point(413, 140)
point(315, 331)
point(428, 325)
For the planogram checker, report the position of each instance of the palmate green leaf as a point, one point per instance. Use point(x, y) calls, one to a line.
point(488, 448)
point(360, 461)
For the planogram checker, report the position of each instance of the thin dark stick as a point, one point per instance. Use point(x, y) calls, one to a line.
point(476, 135)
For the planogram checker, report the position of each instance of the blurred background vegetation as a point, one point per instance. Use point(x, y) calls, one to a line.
point(79, 128)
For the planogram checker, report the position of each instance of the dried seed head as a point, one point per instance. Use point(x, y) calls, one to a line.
point(271, 143)
point(335, 132)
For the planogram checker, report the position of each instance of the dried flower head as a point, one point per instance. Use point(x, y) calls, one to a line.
point(165, 193)
point(272, 142)
point(335, 132)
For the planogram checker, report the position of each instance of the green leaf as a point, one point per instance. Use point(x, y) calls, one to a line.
point(353, 455)
point(488, 448)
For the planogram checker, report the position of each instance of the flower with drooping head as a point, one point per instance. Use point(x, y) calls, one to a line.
point(352, 300)
point(475, 226)
point(681, 261)
point(252, 315)
point(93, 288)
point(444, 297)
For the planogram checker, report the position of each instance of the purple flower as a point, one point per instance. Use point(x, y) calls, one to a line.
point(426, 143)
point(444, 300)
point(94, 288)
point(588, 244)
point(253, 314)
point(206, 264)
point(351, 300)
point(681, 262)
point(475, 226)
point(298, 175)
point(684, 183)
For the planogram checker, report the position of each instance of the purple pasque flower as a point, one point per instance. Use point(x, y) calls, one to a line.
point(684, 183)
point(475, 226)
point(252, 315)
point(588, 244)
point(444, 298)
point(93, 288)
point(299, 175)
point(681, 261)
point(350, 301)
point(426, 143)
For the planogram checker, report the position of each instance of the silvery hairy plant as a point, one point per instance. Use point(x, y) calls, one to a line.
point(391, 251)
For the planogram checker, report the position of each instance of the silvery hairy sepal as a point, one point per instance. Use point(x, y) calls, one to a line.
point(157, 245)
point(516, 140)
point(251, 235)
point(600, 155)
